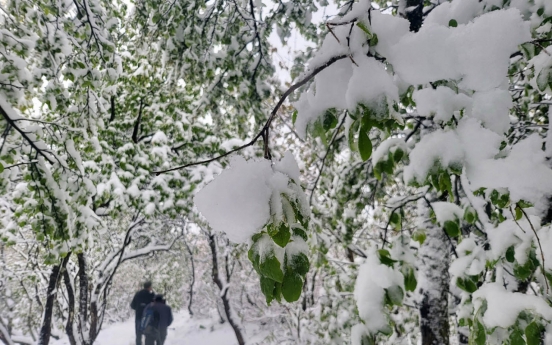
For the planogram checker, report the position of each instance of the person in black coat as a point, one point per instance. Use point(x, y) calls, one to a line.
point(141, 299)
point(164, 318)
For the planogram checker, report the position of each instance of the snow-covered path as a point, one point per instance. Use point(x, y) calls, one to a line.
point(183, 331)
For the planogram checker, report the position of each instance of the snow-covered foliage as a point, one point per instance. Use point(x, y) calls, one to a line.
point(421, 203)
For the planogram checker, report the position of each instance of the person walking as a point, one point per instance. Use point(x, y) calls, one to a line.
point(141, 299)
point(163, 319)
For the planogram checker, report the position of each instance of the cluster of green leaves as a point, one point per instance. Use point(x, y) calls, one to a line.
point(394, 295)
point(364, 119)
point(527, 330)
point(278, 261)
point(388, 163)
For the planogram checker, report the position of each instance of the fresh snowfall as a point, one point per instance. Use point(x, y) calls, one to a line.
point(275, 172)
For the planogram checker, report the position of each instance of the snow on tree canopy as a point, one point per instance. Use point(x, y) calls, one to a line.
point(441, 102)
point(503, 314)
point(373, 278)
point(241, 200)
point(478, 52)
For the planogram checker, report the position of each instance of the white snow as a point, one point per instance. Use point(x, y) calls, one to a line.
point(330, 87)
point(441, 146)
point(373, 278)
point(184, 331)
point(371, 85)
point(441, 102)
point(389, 145)
point(389, 30)
point(243, 198)
point(478, 52)
point(446, 211)
point(503, 314)
point(236, 202)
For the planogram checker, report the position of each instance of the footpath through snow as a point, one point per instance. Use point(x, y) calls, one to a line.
point(184, 331)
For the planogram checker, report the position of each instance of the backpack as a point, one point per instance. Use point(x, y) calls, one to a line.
point(150, 320)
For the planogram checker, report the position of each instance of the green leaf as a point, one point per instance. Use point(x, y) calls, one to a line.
point(254, 257)
point(374, 40)
point(516, 338)
point(466, 284)
point(398, 155)
point(385, 257)
point(292, 285)
point(519, 213)
point(480, 333)
point(452, 228)
point(318, 131)
point(533, 333)
point(300, 232)
point(503, 201)
point(299, 264)
point(283, 235)
point(444, 183)
point(267, 288)
point(270, 268)
point(510, 254)
point(394, 295)
point(528, 50)
point(395, 218)
point(524, 204)
point(522, 272)
point(543, 78)
point(1, 168)
point(364, 145)
point(352, 131)
point(419, 236)
point(364, 28)
point(278, 291)
point(469, 215)
point(329, 120)
point(410, 282)
point(540, 11)
point(453, 23)
point(294, 117)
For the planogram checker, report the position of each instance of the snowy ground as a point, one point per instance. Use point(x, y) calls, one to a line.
point(183, 331)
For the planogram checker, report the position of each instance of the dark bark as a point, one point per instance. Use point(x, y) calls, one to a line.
point(548, 216)
point(224, 290)
point(137, 123)
point(83, 293)
point(71, 307)
point(191, 290)
point(53, 281)
point(434, 316)
point(416, 15)
point(112, 109)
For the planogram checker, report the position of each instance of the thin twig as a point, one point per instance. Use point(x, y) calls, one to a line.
point(325, 156)
point(515, 220)
point(540, 247)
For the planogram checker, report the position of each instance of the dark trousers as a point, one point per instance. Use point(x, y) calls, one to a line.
point(138, 333)
point(157, 340)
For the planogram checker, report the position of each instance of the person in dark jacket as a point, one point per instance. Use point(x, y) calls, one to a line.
point(163, 320)
point(141, 299)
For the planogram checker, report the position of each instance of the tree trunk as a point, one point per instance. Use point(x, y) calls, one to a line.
point(83, 296)
point(434, 266)
point(224, 290)
point(46, 329)
point(191, 290)
point(71, 312)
